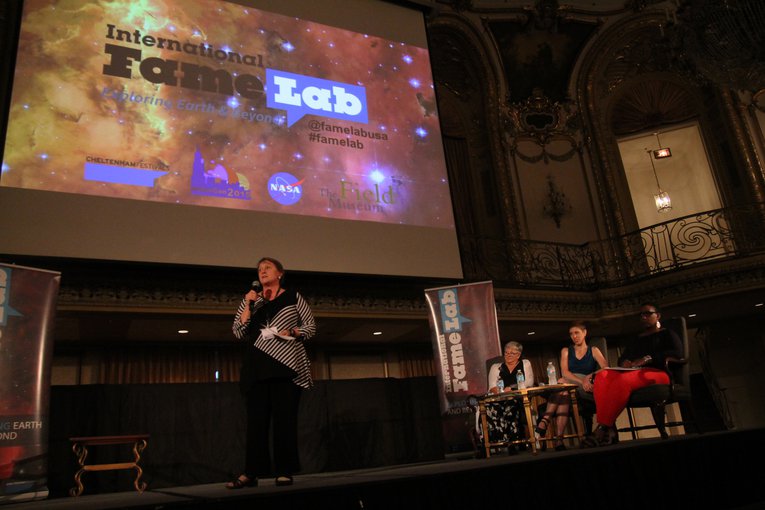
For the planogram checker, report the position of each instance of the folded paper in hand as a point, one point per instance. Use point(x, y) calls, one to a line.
point(272, 332)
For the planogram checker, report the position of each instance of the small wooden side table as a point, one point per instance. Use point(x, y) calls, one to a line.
point(525, 396)
point(80, 449)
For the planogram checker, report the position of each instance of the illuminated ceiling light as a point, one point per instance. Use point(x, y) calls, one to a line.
point(377, 333)
point(531, 333)
point(183, 331)
point(691, 315)
point(661, 152)
point(663, 202)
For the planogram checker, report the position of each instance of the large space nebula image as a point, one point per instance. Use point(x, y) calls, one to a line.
point(203, 102)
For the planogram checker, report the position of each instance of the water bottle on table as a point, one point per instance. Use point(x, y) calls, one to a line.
point(520, 379)
point(500, 385)
point(552, 376)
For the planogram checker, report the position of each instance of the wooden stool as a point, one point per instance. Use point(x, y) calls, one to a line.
point(80, 449)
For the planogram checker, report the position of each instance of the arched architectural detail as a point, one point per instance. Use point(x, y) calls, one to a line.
point(659, 99)
point(640, 105)
point(620, 52)
point(632, 80)
point(469, 99)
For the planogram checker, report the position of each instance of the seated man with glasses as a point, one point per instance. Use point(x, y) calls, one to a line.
point(642, 363)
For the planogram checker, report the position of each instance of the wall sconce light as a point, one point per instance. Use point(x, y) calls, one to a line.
point(556, 205)
point(663, 202)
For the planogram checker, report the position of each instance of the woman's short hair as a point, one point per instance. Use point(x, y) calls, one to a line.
point(513, 344)
point(652, 305)
point(276, 263)
point(578, 324)
point(272, 260)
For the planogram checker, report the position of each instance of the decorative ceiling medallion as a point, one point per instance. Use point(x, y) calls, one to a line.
point(540, 117)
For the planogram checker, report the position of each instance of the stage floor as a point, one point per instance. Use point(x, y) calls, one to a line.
point(720, 469)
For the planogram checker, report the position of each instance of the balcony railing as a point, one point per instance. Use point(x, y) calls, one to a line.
point(696, 238)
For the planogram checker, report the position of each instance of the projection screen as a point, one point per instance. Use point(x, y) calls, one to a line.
point(213, 133)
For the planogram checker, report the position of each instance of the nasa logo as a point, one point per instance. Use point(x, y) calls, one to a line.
point(285, 189)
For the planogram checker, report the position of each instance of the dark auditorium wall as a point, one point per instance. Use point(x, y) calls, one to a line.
point(197, 430)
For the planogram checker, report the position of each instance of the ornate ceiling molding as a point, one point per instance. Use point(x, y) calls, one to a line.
point(540, 118)
point(709, 280)
point(647, 104)
point(724, 41)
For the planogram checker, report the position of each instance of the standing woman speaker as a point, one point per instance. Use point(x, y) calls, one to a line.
point(275, 322)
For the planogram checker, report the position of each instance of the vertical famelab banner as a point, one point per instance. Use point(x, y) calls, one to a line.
point(27, 309)
point(463, 323)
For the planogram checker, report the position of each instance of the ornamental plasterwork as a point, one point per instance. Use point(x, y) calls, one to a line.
point(642, 45)
point(671, 288)
point(756, 100)
point(541, 120)
point(152, 296)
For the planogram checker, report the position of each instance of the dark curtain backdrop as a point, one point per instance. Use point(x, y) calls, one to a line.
point(153, 364)
point(197, 429)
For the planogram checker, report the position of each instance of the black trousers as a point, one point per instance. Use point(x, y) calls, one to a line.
point(272, 411)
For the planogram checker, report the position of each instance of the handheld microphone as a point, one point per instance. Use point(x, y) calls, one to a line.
point(256, 286)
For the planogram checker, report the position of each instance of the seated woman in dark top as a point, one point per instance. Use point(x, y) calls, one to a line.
point(578, 362)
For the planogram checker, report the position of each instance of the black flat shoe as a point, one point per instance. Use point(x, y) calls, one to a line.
point(559, 446)
point(281, 481)
point(603, 436)
point(542, 431)
point(241, 482)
